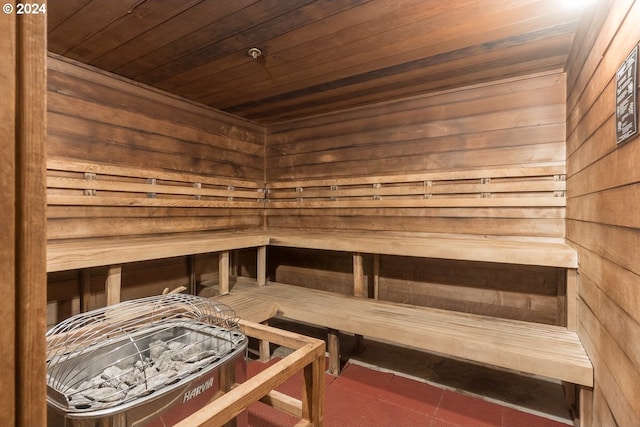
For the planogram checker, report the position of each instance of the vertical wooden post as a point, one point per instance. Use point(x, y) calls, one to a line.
point(572, 299)
point(376, 275)
point(262, 266)
point(358, 291)
point(23, 226)
point(191, 270)
point(223, 272)
point(333, 346)
point(358, 276)
point(585, 404)
point(265, 348)
point(85, 289)
point(313, 392)
point(113, 284)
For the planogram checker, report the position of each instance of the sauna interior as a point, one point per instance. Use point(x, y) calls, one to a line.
point(444, 177)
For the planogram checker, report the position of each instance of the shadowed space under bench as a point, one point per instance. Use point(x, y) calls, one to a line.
point(362, 397)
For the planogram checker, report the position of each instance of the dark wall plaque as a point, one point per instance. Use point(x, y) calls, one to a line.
point(626, 94)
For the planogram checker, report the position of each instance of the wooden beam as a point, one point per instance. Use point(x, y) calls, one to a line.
point(333, 347)
point(313, 392)
point(572, 299)
point(193, 279)
point(265, 348)
point(113, 284)
point(262, 265)
point(223, 272)
point(22, 228)
point(358, 276)
point(85, 289)
point(376, 275)
point(284, 403)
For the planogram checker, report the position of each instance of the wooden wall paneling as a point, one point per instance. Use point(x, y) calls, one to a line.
point(22, 206)
point(140, 127)
point(601, 185)
point(611, 370)
point(8, 236)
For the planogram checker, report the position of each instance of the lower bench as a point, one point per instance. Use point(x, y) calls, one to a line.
point(530, 348)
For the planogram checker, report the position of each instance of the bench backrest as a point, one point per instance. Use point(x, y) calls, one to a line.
point(95, 200)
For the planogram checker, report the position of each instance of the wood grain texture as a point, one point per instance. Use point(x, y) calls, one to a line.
point(454, 136)
point(8, 304)
point(23, 89)
point(317, 57)
point(522, 346)
point(212, 185)
point(602, 184)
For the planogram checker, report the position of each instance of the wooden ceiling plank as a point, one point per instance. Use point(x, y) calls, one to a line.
point(326, 34)
point(397, 33)
point(448, 65)
point(254, 36)
point(176, 53)
point(143, 18)
point(57, 15)
point(395, 47)
point(87, 21)
point(181, 25)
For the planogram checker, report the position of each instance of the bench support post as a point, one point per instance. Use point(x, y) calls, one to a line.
point(313, 392)
point(358, 291)
point(262, 266)
point(191, 267)
point(572, 299)
point(264, 347)
point(333, 346)
point(358, 276)
point(376, 275)
point(113, 284)
point(223, 272)
point(85, 289)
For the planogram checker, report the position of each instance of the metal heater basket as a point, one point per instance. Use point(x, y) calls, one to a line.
point(125, 356)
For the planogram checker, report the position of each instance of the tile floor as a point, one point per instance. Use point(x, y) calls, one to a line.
point(363, 397)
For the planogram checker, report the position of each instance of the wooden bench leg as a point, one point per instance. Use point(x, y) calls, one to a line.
point(191, 267)
point(113, 284)
point(265, 350)
point(85, 289)
point(572, 299)
point(376, 275)
point(333, 346)
point(358, 291)
point(262, 266)
point(223, 272)
point(313, 392)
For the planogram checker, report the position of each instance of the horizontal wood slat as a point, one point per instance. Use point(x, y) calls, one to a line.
point(104, 185)
point(520, 186)
point(550, 351)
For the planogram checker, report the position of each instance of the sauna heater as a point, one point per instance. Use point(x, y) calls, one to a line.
point(147, 362)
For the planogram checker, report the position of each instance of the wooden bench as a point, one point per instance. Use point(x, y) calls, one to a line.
point(524, 347)
point(551, 351)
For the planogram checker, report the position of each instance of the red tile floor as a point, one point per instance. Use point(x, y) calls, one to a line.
point(362, 397)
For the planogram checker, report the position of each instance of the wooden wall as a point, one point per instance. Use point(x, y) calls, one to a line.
point(504, 124)
point(22, 224)
point(96, 117)
point(603, 189)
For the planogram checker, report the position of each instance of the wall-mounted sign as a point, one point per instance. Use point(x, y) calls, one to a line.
point(626, 98)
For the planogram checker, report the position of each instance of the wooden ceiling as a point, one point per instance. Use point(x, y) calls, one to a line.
point(318, 56)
